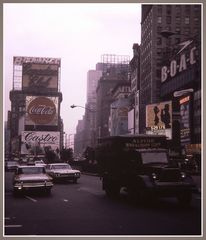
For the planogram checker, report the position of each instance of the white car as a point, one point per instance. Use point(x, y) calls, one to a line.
point(31, 177)
point(62, 171)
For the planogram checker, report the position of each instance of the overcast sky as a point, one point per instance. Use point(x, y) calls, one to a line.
point(78, 33)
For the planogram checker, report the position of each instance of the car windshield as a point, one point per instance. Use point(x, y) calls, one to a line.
point(31, 170)
point(12, 163)
point(154, 157)
point(66, 166)
point(39, 162)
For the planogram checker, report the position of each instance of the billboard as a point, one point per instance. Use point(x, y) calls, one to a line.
point(41, 110)
point(19, 60)
point(35, 142)
point(185, 115)
point(38, 76)
point(159, 119)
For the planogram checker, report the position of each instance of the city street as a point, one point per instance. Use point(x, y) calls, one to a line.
point(84, 209)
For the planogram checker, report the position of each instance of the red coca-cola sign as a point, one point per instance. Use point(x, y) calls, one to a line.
point(41, 110)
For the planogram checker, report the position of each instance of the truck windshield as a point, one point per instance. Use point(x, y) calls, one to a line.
point(154, 157)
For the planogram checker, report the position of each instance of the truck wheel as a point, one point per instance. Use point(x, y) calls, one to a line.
point(184, 199)
point(112, 191)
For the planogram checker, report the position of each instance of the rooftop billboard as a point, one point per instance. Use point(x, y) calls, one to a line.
point(39, 76)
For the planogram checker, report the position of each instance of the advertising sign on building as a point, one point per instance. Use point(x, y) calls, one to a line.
point(17, 60)
point(38, 76)
point(159, 119)
point(185, 58)
point(41, 110)
point(35, 142)
point(185, 115)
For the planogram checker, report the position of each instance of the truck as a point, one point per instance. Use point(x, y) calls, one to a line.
point(140, 165)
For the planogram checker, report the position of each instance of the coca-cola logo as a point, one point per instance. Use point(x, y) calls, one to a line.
point(41, 110)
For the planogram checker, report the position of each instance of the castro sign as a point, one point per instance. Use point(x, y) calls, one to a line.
point(179, 65)
point(32, 140)
point(41, 110)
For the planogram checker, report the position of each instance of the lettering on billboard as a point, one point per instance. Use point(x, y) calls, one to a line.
point(41, 111)
point(39, 76)
point(33, 141)
point(180, 64)
point(185, 134)
point(20, 60)
point(159, 118)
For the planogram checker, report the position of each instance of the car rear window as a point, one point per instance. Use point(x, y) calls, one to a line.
point(31, 170)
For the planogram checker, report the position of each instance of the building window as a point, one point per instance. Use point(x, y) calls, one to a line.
point(159, 29)
point(187, 9)
point(177, 40)
point(187, 20)
point(159, 19)
point(159, 10)
point(177, 30)
point(159, 41)
point(168, 19)
point(178, 9)
point(168, 9)
point(177, 19)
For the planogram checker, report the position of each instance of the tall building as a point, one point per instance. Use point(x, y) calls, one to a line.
point(93, 77)
point(115, 69)
point(170, 61)
point(135, 89)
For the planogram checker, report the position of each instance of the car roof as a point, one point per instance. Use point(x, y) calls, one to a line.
point(31, 166)
point(53, 164)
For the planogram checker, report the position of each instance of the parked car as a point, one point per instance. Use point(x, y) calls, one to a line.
point(30, 161)
point(31, 177)
point(40, 163)
point(11, 165)
point(62, 171)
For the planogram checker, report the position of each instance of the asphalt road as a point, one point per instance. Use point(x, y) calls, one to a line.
point(84, 209)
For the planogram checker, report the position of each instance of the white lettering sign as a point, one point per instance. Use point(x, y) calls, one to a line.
point(175, 68)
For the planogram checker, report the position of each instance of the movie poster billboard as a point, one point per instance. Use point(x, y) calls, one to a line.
point(159, 119)
point(35, 142)
point(39, 76)
point(41, 110)
point(185, 115)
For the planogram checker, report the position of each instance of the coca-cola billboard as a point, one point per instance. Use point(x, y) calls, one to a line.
point(41, 110)
point(36, 142)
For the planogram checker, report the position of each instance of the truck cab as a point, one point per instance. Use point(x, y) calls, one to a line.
point(140, 165)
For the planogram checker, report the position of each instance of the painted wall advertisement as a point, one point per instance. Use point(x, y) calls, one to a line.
point(185, 114)
point(41, 110)
point(39, 76)
point(35, 142)
point(159, 119)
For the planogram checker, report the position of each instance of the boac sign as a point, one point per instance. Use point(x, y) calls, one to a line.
point(181, 64)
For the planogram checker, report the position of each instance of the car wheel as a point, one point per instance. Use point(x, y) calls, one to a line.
point(112, 190)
